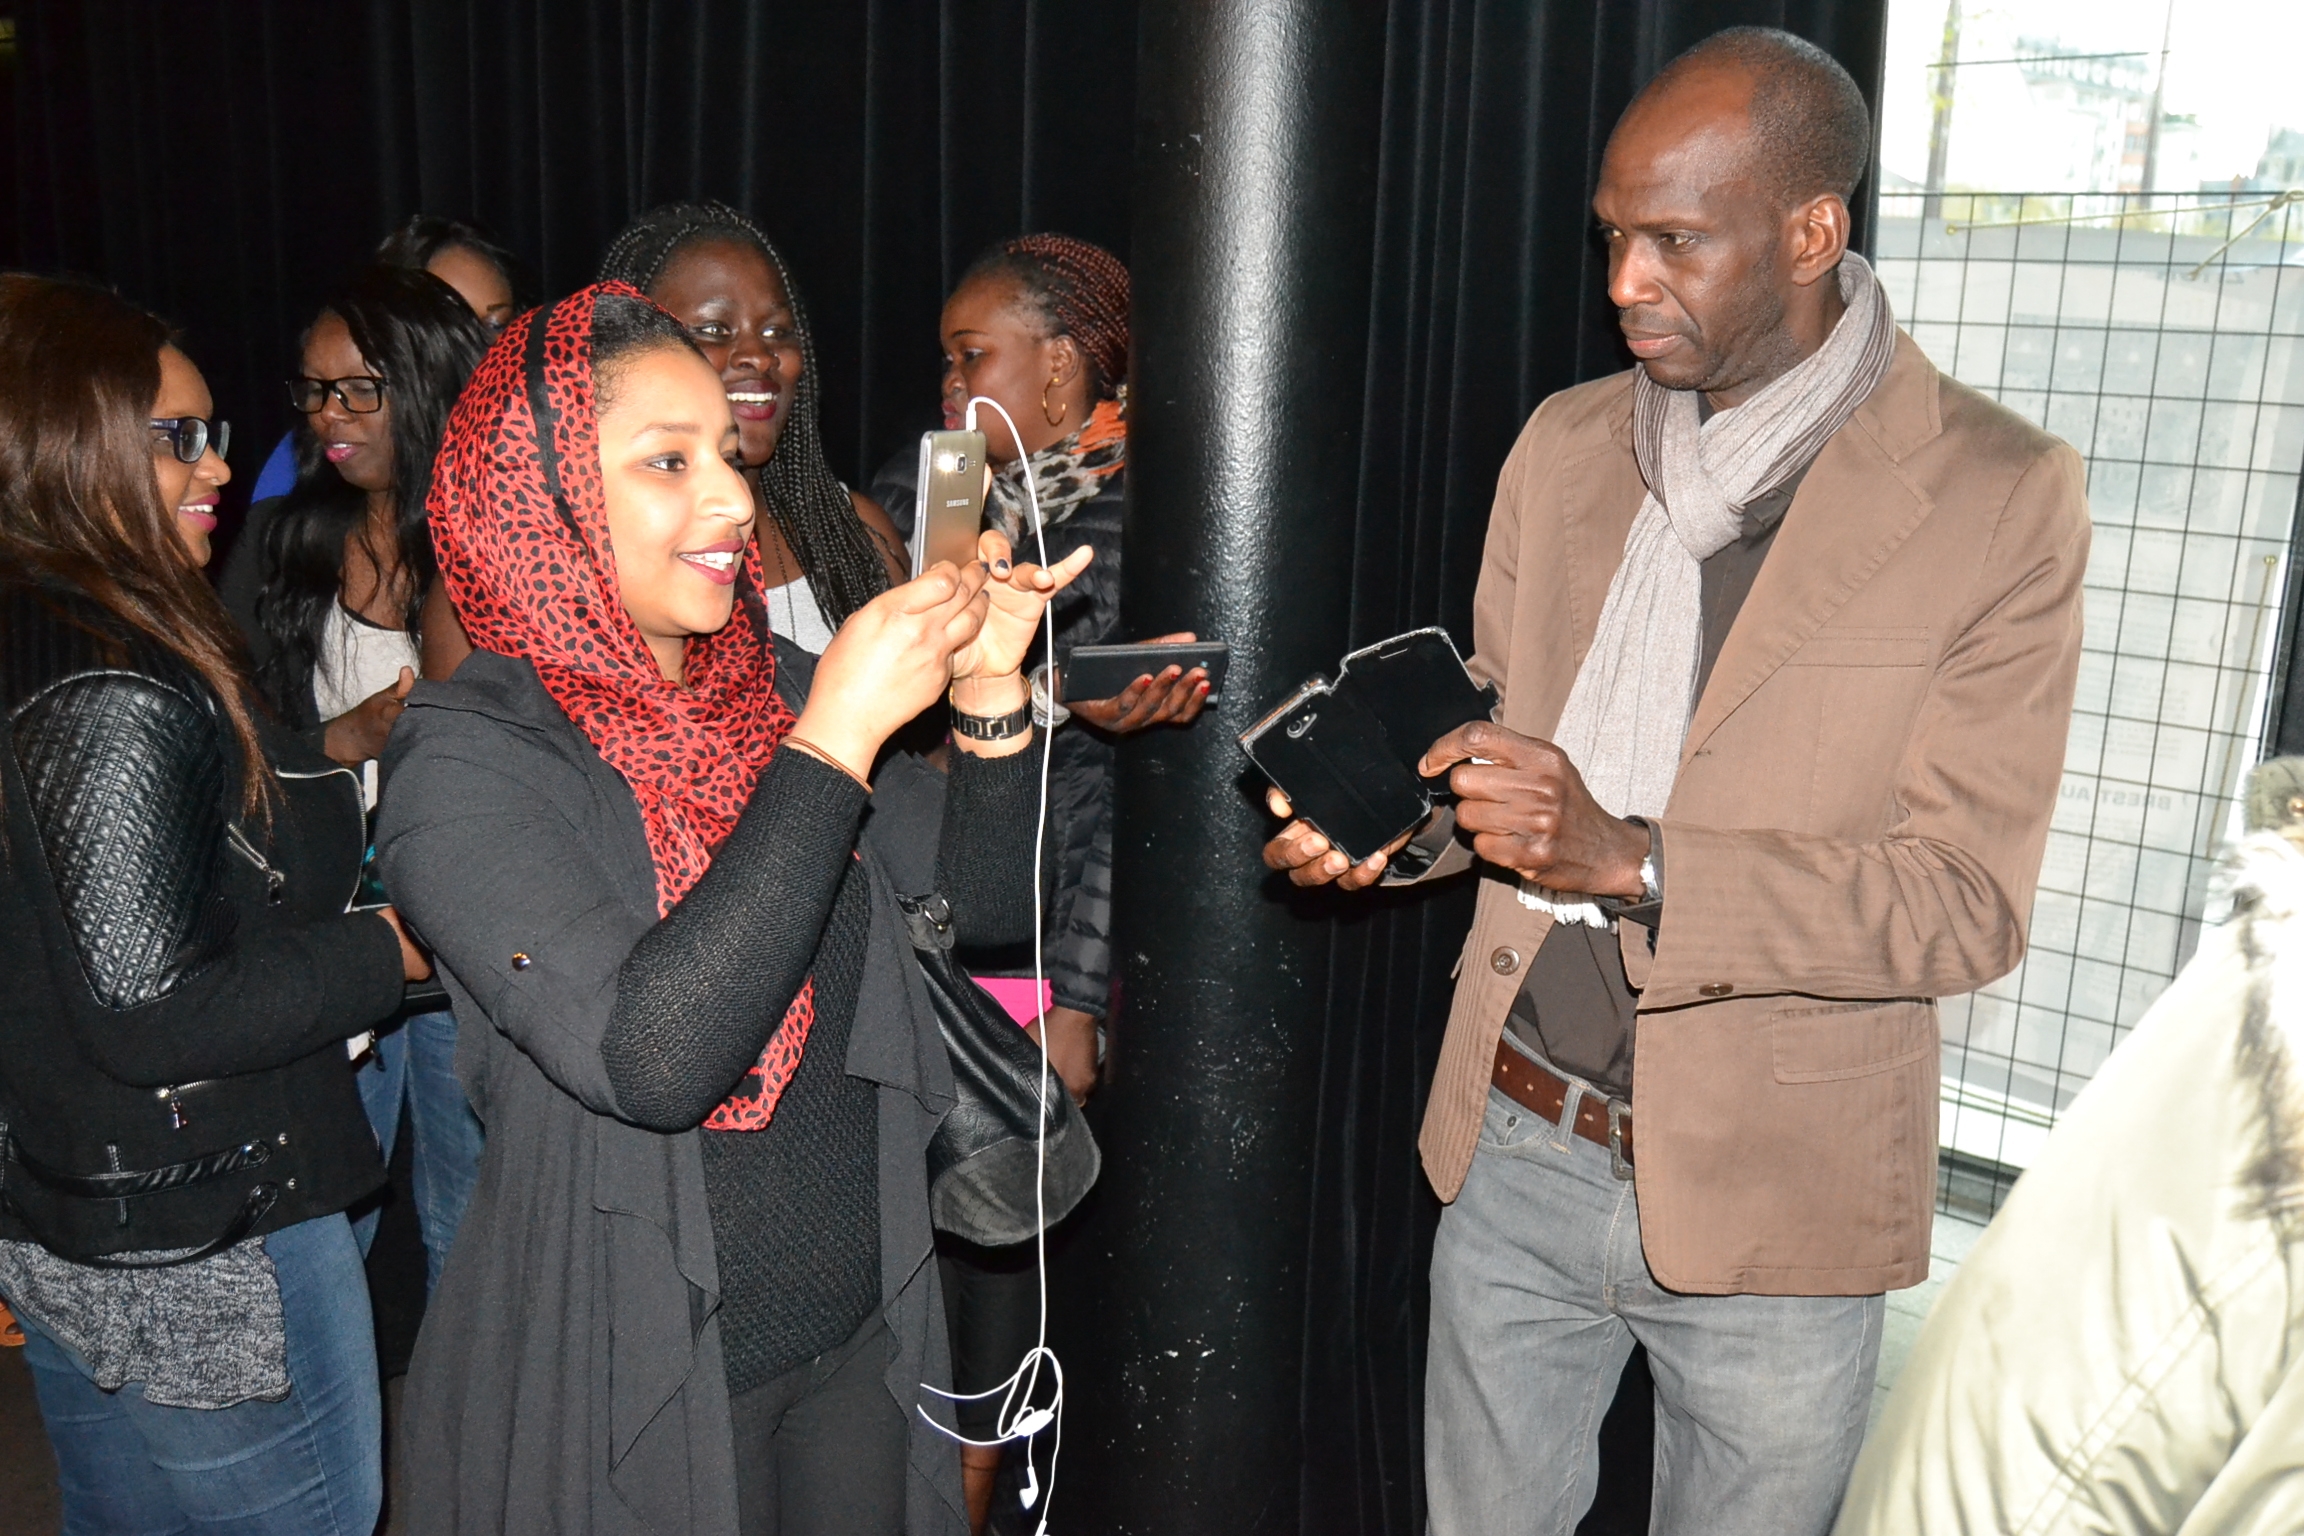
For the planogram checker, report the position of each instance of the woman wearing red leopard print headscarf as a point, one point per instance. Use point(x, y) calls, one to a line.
point(649, 844)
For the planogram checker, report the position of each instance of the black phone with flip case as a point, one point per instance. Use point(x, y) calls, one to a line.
point(1345, 752)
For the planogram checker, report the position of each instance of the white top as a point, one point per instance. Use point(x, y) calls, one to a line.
point(357, 659)
point(792, 613)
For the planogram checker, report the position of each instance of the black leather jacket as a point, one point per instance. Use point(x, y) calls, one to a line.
point(180, 980)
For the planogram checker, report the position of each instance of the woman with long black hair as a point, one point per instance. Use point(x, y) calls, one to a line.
point(329, 582)
point(182, 1136)
point(494, 282)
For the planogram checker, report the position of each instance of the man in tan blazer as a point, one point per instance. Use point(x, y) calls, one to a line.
point(1786, 629)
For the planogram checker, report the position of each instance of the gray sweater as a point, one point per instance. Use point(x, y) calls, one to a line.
point(571, 1373)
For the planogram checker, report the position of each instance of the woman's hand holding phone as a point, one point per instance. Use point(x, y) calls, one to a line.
point(1019, 593)
point(986, 677)
point(892, 659)
point(1172, 697)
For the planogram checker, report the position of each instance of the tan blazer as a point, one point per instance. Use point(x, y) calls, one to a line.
point(1856, 828)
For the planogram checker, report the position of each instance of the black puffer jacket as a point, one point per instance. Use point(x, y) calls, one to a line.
point(1077, 942)
point(180, 983)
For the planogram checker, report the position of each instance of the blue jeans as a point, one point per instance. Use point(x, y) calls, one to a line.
point(417, 1063)
point(1539, 1289)
point(312, 1465)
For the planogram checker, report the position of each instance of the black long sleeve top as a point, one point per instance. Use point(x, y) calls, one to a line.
point(795, 1205)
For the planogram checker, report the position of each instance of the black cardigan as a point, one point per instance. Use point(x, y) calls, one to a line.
point(572, 1360)
point(171, 1004)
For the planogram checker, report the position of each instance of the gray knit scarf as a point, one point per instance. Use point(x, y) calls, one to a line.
point(1627, 714)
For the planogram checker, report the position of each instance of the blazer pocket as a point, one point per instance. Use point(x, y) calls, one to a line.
point(1852, 647)
point(1831, 1042)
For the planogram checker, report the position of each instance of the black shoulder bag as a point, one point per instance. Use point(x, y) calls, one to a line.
point(984, 1161)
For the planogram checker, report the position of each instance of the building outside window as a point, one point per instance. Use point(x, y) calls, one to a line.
point(2093, 210)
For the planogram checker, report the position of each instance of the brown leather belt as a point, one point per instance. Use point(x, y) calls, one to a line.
point(1538, 1091)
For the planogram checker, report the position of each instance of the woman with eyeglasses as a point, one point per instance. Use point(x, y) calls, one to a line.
point(329, 583)
point(489, 278)
point(329, 580)
point(182, 1132)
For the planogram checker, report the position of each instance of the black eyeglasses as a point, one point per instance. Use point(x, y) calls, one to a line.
point(360, 394)
point(190, 436)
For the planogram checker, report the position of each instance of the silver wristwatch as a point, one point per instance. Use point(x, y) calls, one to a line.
point(1648, 910)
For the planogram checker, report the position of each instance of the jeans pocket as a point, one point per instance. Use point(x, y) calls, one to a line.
point(1511, 1127)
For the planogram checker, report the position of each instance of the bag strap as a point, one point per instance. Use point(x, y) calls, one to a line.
point(928, 919)
point(146, 1181)
point(260, 1201)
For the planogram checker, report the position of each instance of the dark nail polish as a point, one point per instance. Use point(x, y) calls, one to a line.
point(1000, 567)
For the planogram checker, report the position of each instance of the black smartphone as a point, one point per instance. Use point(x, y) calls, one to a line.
point(1417, 687)
point(951, 507)
point(1345, 753)
point(1332, 760)
point(1104, 671)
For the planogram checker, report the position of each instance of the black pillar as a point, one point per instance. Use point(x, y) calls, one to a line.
point(1256, 159)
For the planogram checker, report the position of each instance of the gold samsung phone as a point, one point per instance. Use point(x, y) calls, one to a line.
point(950, 512)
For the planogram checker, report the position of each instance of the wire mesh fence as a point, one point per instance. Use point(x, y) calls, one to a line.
point(2163, 337)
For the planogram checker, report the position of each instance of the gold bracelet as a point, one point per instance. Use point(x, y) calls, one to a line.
point(795, 739)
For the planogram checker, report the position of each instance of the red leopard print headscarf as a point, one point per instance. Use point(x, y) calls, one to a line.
point(520, 523)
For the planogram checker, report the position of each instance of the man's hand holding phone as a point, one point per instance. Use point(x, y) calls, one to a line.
point(1529, 811)
point(1310, 859)
point(1523, 802)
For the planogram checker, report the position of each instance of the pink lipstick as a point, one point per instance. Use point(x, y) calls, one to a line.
point(716, 563)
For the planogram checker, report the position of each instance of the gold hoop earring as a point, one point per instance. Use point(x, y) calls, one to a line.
point(1062, 410)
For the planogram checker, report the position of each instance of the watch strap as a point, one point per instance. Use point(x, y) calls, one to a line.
point(993, 727)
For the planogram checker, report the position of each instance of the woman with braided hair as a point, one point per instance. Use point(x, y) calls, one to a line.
point(1040, 324)
point(827, 549)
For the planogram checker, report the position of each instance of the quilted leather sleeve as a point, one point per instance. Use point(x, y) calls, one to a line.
point(127, 779)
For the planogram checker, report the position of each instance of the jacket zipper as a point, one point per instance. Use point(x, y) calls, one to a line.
point(275, 882)
point(172, 1097)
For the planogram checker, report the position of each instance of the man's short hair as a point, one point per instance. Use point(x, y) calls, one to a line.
point(1811, 128)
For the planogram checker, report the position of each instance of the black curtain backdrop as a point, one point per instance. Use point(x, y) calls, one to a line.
point(225, 161)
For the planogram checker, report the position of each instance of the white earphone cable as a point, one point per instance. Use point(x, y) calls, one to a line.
point(1018, 1419)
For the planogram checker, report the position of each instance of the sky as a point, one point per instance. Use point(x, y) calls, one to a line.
point(2237, 64)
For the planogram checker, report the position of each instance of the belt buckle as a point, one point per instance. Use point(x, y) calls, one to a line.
point(1617, 1109)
